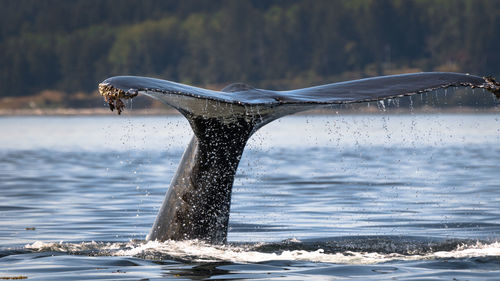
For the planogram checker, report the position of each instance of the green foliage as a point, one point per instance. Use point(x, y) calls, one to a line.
point(73, 45)
point(151, 47)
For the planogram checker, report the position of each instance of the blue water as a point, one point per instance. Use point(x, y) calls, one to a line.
point(358, 197)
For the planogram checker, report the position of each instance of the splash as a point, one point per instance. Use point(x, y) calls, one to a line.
point(197, 251)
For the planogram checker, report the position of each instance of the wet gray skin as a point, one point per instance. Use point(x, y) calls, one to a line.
point(197, 204)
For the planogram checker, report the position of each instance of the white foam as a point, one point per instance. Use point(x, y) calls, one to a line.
point(477, 250)
point(201, 252)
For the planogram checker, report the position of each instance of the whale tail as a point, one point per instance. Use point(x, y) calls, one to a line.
point(197, 204)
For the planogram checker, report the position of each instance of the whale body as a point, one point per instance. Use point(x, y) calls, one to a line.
point(197, 203)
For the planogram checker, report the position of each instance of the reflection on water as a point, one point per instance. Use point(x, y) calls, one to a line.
point(404, 196)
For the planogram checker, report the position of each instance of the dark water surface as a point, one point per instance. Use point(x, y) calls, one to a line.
point(408, 197)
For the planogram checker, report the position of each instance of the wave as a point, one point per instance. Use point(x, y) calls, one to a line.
point(356, 251)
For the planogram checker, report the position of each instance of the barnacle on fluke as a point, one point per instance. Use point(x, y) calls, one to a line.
point(113, 96)
point(492, 85)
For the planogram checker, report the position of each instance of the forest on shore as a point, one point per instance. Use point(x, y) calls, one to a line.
point(71, 46)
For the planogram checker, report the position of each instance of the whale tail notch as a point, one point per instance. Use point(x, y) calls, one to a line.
point(197, 204)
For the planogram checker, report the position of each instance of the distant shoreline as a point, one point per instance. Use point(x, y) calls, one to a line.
point(172, 112)
point(82, 112)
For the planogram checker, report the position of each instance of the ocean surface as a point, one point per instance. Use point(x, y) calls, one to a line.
point(358, 197)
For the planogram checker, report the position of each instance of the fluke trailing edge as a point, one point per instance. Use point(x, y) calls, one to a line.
point(198, 201)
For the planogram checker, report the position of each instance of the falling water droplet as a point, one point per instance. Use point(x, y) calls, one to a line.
point(381, 105)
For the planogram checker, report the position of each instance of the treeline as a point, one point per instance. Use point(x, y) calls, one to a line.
point(73, 45)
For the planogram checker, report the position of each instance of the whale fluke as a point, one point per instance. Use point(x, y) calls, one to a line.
point(197, 203)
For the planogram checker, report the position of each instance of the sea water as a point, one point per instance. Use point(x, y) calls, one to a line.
point(379, 196)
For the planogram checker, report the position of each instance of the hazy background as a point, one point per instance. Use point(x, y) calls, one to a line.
point(54, 53)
